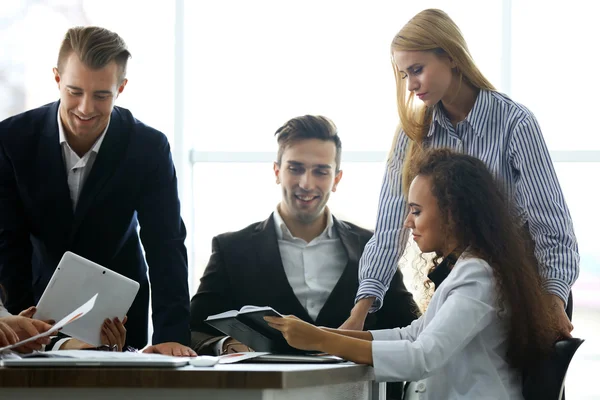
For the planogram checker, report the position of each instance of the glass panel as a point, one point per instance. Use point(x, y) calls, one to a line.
point(27, 57)
point(553, 56)
point(252, 65)
point(230, 196)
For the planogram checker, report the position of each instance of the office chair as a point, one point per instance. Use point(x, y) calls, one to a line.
point(547, 382)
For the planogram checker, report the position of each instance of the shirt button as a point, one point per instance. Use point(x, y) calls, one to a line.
point(421, 387)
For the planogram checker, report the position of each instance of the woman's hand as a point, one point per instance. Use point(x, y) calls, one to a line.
point(562, 323)
point(304, 336)
point(299, 334)
point(114, 333)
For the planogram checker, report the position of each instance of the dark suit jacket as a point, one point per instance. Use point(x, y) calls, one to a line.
point(133, 179)
point(245, 268)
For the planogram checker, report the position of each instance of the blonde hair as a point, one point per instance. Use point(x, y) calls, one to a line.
point(430, 30)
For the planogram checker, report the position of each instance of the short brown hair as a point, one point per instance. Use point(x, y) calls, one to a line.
point(309, 127)
point(96, 47)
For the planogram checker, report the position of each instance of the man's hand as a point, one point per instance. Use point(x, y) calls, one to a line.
point(233, 346)
point(561, 320)
point(358, 315)
point(171, 349)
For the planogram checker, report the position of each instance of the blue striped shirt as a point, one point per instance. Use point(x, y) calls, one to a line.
point(507, 138)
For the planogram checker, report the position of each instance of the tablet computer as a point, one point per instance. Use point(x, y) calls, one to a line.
point(73, 282)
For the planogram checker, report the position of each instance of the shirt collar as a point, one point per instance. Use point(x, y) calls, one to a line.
point(62, 138)
point(283, 232)
point(477, 118)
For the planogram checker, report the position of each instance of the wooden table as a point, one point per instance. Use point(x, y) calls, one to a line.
point(233, 381)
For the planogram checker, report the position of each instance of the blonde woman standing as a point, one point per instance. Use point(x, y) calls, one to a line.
point(458, 108)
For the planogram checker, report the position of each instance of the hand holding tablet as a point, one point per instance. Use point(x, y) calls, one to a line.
point(74, 281)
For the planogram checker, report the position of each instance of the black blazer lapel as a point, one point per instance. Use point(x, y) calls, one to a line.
point(340, 301)
point(109, 156)
point(51, 175)
point(271, 267)
point(350, 241)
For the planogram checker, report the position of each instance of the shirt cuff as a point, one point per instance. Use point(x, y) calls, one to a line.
point(371, 288)
point(559, 288)
point(385, 334)
point(388, 365)
point(59, 343)
point(218, 347)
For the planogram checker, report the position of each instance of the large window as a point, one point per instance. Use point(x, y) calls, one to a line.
point(30, 35)
point(252, 65)
point(219, 77)
point(553, 69)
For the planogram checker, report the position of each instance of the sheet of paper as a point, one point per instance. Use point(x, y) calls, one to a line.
point(78, 313)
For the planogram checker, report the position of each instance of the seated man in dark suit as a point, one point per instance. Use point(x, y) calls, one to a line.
point(301, 260)
point(78, 175)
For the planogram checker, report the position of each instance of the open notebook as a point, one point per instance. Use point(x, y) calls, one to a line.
point(91, 358)
point(248, 327)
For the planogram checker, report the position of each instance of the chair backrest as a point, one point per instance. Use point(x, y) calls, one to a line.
point(547, 382)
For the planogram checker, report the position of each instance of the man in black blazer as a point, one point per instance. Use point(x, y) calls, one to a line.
point(301, 260)
point(78, 175)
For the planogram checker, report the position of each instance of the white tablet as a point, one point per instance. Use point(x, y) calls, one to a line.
point(74, 281)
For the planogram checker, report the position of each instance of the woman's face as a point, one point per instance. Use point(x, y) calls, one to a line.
point(425, 218)
point(428, 75)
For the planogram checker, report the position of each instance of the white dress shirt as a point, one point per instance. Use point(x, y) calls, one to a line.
point(78, 168)
point(312, 269)
point(458, 347)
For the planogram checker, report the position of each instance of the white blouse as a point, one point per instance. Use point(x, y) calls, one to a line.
point(458, 347)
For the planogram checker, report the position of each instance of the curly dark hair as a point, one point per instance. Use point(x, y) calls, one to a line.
point(478, 215)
